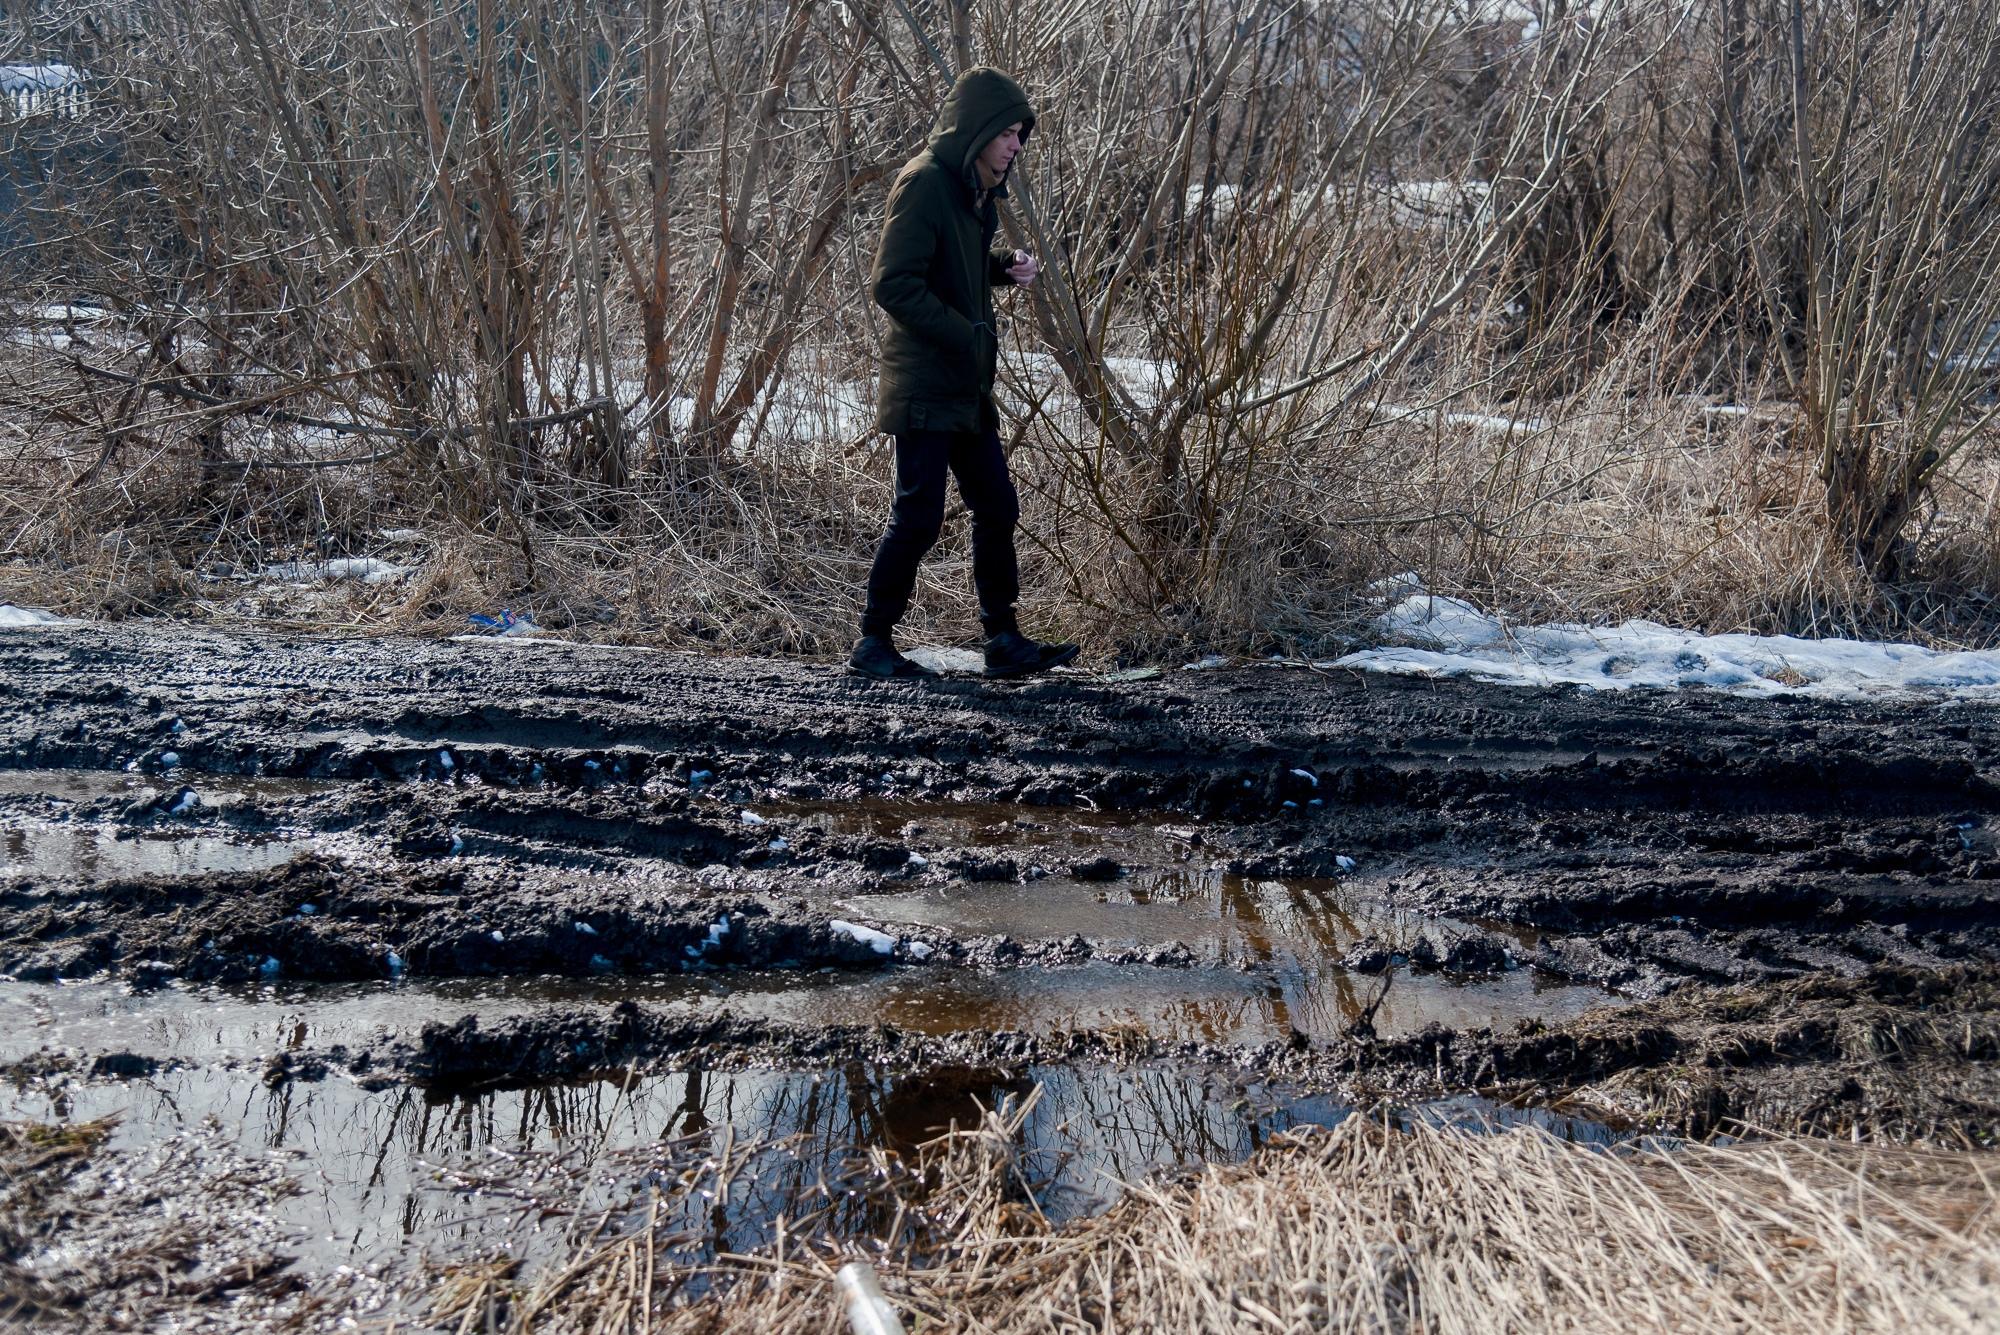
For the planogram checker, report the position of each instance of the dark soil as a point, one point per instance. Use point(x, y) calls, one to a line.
point(1653, 839)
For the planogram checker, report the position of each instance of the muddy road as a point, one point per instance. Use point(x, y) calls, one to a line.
point(409, 903)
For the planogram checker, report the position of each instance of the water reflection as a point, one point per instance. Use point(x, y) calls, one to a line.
point(55, 852)
point(370, 1162)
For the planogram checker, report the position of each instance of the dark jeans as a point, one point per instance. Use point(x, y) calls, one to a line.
point(980, 465)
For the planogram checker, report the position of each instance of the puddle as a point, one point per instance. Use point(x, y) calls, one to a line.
point(375, 1167)
point(87, 852)
point(1266, 952)
point(1259, 963)
point(1219, 1005)
point(56, 849)
point(216, 790)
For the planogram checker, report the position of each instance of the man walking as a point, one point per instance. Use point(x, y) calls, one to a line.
point(935, 271)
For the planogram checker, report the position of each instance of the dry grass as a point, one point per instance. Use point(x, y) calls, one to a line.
point(1365, 1227)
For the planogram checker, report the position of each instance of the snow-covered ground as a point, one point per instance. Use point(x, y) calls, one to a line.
point(1431, 636)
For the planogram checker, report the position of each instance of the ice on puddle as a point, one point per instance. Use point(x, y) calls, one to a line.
point(1308, 776)
point(1290, 805)
point(752, 818)
point(881, 942)
point(187, 801)
point(585, 928)
point(446, 762)
point(177, 727)
point(919, 950)
point(457, 842)
point(1344, 862)
point(1447, 637)
point(169, 759)
point(307, 910)
point(699, 777)
point(270, 967)
point(778, 845)
point(497, 934)
point(394, 961)
point(919, 860)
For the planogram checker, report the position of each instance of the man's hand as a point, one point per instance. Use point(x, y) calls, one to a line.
point(1023, 269)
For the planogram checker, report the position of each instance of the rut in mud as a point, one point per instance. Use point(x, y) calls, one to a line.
point(398, 903)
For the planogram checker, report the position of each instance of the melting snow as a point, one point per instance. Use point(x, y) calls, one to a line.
point(1446, 637)
point(367, 569)
point(881, 942)
point(11, 615)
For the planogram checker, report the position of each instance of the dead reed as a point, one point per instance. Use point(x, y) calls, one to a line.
point(1365, 1227)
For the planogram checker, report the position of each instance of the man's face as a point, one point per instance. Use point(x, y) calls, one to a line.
point(998, 155)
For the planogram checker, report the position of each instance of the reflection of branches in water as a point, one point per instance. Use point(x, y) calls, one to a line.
point(1122, 1127)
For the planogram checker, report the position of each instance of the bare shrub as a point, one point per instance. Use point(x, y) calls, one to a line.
point(1331, 290)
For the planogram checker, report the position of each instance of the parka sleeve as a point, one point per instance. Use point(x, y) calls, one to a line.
point(998, 263)
point(900, 282)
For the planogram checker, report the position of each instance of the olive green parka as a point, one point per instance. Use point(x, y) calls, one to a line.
point(936, 267)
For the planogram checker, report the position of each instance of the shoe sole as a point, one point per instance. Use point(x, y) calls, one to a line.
point(1031, 669)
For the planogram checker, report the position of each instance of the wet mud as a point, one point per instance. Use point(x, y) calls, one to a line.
point(250, 885)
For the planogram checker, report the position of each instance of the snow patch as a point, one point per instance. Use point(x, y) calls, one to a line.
point(881, 942)
point(1447, 637)
point(12, 616)
point(365, 569)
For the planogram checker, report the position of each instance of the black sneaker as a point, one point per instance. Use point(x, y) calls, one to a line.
point(875, 656)
point(1012, 654)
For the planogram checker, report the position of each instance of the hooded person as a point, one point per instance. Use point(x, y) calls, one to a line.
point(934, 275)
